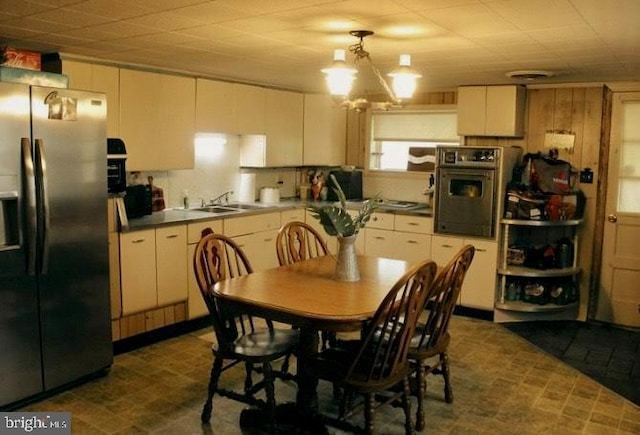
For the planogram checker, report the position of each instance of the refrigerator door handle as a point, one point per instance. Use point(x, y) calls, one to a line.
point(29, 181)
point(41, 173)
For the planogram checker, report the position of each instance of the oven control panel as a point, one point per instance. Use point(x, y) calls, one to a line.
point(468, 156)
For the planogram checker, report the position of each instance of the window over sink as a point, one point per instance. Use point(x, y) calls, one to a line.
point(405, 140)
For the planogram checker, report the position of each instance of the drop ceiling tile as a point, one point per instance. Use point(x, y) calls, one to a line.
point(470, 20)
point(210, 12)
point(165, 21)
point(213, 31)
point(125, 29)
point(539, 14)
point(112, 9)
point(23, 8)
point(37, 25)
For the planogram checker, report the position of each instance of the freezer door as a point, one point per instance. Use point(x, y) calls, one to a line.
point(20, 366)
point(70, 152)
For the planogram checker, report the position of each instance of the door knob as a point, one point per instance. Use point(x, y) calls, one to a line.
point(612, 218)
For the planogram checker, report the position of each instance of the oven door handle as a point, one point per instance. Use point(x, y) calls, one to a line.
point(468, 174)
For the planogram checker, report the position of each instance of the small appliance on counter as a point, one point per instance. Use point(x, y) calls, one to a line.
point(138, 200)
point(350, 182)
point(116, 165)
point(270, 195)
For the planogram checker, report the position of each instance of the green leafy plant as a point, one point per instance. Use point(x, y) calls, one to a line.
point(335, 219)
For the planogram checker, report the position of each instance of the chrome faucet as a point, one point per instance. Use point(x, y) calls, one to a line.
point(219, 199)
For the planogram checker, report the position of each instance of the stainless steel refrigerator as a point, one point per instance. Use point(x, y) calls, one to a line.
point(54, 266)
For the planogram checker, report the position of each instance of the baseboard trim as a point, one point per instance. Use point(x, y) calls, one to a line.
point(473, 312)
point(137, 341)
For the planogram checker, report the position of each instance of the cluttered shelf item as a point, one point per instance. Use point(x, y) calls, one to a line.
point(543, 188)
point(538, 269)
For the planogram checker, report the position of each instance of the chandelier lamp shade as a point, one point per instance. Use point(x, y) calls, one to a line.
point(340, 76)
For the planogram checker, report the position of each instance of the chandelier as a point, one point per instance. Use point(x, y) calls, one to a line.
point(340, 77)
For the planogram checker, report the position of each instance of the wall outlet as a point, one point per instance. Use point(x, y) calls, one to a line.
point(586, 176)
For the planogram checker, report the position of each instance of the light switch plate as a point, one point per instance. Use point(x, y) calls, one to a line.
point(586, 176)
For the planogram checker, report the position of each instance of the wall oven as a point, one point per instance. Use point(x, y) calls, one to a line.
point(470, 186)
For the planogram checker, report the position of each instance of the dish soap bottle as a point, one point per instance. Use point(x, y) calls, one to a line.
point(185, 199)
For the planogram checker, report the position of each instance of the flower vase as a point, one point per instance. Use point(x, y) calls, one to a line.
point(347, 261)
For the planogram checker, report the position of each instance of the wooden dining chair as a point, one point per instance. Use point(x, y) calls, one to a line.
point(298, 241)
point(379, 359)
point(431, 337)
point(238, 337)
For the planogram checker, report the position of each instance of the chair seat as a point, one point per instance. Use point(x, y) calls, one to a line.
point(263, 345)
point(427, 351)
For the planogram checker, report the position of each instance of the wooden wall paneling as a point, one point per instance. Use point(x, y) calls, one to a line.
point(562, 109)
point(600, 201)
point(594, 100)
point(180, 312)
point(576, 127)
point(540, 108)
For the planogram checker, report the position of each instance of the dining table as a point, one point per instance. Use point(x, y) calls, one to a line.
point(306, 295)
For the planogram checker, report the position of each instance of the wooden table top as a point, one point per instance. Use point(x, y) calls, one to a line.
point(306, 294)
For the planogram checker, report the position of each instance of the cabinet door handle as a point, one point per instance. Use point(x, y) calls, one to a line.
point(414, 242)
point(413, 224)
point(172, 236)
point(480, 250)
point(446, 246)
point(137, 241)
point(268, 239)
point(379, 238)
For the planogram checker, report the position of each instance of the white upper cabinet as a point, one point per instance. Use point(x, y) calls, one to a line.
point(325, 131)
point(491, 110)
point(214, 108)
point(230, 108)
point(248, 109)
point(283, 127)
point(157, 120)
point(281, 143)
point(97, 78)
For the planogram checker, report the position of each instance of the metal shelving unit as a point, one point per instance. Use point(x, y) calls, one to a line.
point(511, 293)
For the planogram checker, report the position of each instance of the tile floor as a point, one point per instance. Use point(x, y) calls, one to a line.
point(607, 354)
point(502, 385)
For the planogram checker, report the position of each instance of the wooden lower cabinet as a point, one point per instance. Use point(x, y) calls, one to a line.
point(138, 271)
point(146, 321)
point(402, 237)
point(171, 264)
point(256, 235)
point(153, 268)
point(478, 290)
point(260, 249)
point(411, 247)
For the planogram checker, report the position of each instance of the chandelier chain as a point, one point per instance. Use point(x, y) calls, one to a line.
point(360, 53)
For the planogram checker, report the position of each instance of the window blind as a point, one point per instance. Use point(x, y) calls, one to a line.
point(433, 126)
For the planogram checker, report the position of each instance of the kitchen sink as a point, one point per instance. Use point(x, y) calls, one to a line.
point(217, 209)
point(245, 206)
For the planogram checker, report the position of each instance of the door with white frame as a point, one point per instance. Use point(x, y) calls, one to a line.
point(619, 292)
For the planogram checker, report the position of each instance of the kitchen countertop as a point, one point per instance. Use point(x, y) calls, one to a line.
point(179, 215)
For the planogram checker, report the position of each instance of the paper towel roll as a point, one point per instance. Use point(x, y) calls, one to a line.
point(247, 188)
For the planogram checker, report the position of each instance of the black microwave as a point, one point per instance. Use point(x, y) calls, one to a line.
point(350, 182)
